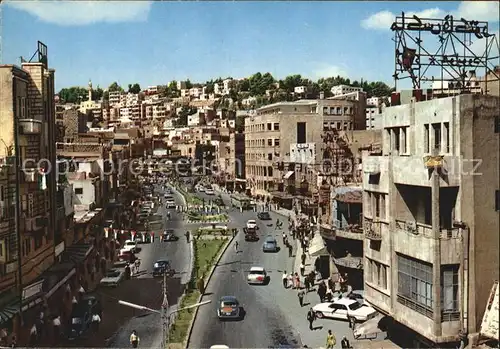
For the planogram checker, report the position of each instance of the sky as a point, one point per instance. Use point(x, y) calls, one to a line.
point(154, 43)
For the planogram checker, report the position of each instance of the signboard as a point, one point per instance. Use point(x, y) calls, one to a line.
point(32, 290)
point(59, 249)
point(160, 152)
point(489, 326)
point(433, 161)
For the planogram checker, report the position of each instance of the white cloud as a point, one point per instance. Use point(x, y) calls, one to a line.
point(69, 13)
point(477, 10)
point(326, 70)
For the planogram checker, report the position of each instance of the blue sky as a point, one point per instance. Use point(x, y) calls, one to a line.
point(156, 42)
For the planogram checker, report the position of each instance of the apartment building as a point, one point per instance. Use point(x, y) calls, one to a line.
point(114, 97)
point(27, 116)
point(181, 85)
point(153, 110)
point(373, 113)
point(195, 92)
point(279, 130)
point(344, 89)
point(431, 218)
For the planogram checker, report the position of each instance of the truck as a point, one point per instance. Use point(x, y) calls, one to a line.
point(250, 234)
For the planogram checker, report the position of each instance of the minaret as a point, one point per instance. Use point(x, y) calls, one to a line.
point(90, 90)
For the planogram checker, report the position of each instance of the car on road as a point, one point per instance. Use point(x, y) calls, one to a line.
point(257, 275)
point(251, 224)
point(200, 189)
point(113, 277)
point(209, 192)
point(270, 244)
point(170, 203)
point(264, 216)
point(126, 255)
point(169, 235)
point(343, 309)
point(161, 267)
point(219, 346)
point(228, 308)
point(130, 245)
point(251, 234)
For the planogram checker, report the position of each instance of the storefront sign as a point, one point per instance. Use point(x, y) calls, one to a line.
point(489, 326)
point(32, 290)
point(59, 249)
point(433, 161)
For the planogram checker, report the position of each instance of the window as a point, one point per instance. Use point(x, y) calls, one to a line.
point(269, 126)
point(446, 135)
point(78, 191)
point(426, 138)
point(404, 141)
point(26, 248)
point(276, 141)
point(436, 129)
point(376, 198)
point(3, 252)
point(276, 126)
point(497, 200)
point(377, 274)
point(415, 284)
point(396, 142)
point(270, 142)
point(301, 132)
point(270, 171)
point(449, 292)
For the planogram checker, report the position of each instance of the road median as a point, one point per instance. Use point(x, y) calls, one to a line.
point(207, 254)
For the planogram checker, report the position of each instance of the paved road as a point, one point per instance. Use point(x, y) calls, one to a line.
point(149, 325)
point(265, 323)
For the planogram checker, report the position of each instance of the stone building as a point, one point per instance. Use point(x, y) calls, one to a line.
point(431, 218)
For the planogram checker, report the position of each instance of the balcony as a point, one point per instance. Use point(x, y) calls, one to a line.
point(425, 230)
point(30, 126)
point(30, 175)
point(33, 224)
point(372, 229)
point(351, 231)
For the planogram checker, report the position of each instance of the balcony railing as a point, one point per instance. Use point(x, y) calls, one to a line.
point(350, 231)
point(422, 229)
point(30, 126)
point(372, 229)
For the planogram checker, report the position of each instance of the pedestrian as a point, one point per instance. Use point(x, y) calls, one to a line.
point(236, 246)
point(290, 251)
point(290, 280)
point(134, 339)
point(307, 284)
point(303, 258)
point(56, 323)
point(330, 340)
point(13, 341)
point(285, 279)
point(284, 238)
point(296, 281)
point(302, 269)
point(322, 291)
point(310, 318)
point(301, 296)
point(96, 320)
point(345, 343)
point(352, 322)
point(33, 335)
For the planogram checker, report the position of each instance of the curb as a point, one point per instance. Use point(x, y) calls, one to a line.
point(206, 222)
point(210, 274)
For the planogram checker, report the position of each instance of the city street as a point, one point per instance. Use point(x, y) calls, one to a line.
point(265, 323)
point(147, 291)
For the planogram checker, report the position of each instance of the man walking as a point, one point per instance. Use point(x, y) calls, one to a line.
point(96, 320)
point(302, 269)
point(285, 279)
point(344, 343)
point(330, 340)
point(311, 317)
point(56, 323)
point(134, 339)
point(301, 298)
point(290, 250)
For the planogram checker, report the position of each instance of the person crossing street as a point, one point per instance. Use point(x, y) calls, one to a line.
point(236, 247)
point(134, 339)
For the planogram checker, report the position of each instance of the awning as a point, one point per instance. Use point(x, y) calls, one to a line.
point(349, 262)
point(369, 327)
point(76, 253)
point(57, 276)
point(317, 246)
point(288, 174)
point(10, 309)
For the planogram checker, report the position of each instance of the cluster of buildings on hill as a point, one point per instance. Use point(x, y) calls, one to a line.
point(404, 189)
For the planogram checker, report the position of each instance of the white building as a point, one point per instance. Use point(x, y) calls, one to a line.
point(195, 92)
point(344, 89)
point(152, 90)
point(300, 89)
point(185, 92)
point(181, 85)
point(218, 88)
point(114, 97)
point(194, 120)
point(228, 86)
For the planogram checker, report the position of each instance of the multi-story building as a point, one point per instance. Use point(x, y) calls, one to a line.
point(27, 116)
point(114, 97)
point(344, 89)
point(373, 113)
point(431, 218)
point(278, 131)
point(154, 110)
point(228, 85)
point(181, 85)
point(195, 92)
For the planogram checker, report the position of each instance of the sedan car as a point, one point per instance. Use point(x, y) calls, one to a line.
point(257, 276)
point(344, 308)
point(229, 308)
point(162, 266)
point(113, 277)
point(169, 235)
point(270, 244)
point(265, 216)
point(130, 245)
point(251, 224)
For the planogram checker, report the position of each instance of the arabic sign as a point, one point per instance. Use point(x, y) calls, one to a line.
point(489, 326)
point(433, 161)
point(438, 26)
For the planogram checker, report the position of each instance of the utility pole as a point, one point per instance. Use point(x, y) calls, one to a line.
point(164, 313)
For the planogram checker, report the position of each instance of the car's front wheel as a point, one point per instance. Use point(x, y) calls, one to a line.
point(319, 315)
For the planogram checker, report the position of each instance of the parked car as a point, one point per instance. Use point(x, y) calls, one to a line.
point(343, 309)
point(169, 235)
point(209, 192)
point(170, 204)
point(162, 266)
point(265, 216)
point(252, 224)
point(228, 308)
point(270, 244)
point(257, 275)
point(113, 277)
point(126, 255)
point(130, 245)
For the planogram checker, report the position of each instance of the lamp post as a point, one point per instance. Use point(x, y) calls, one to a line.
point(165, 315)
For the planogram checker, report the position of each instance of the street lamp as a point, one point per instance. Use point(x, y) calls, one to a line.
point(165, 315)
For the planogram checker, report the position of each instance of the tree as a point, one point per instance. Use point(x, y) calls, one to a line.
point(183, 115)
point(74, 94)
point(97, 94)
point(239, 123)
point(244, 85)
point(135, 88)
point(188, 84)
point(115, 87)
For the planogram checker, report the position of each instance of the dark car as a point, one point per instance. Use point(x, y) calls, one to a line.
point(264, 216)
point(228, 308)
point(162, 266)
point(270, 244)
point(251, 234)
point(169, 235)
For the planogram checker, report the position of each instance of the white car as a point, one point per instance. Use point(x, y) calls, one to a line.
point(200, 189)
point(343, 309)
point(113, 277)
point(209, 192)
point(252, 224)
point(130, 245)
point(257, 275)
point(170, 204)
